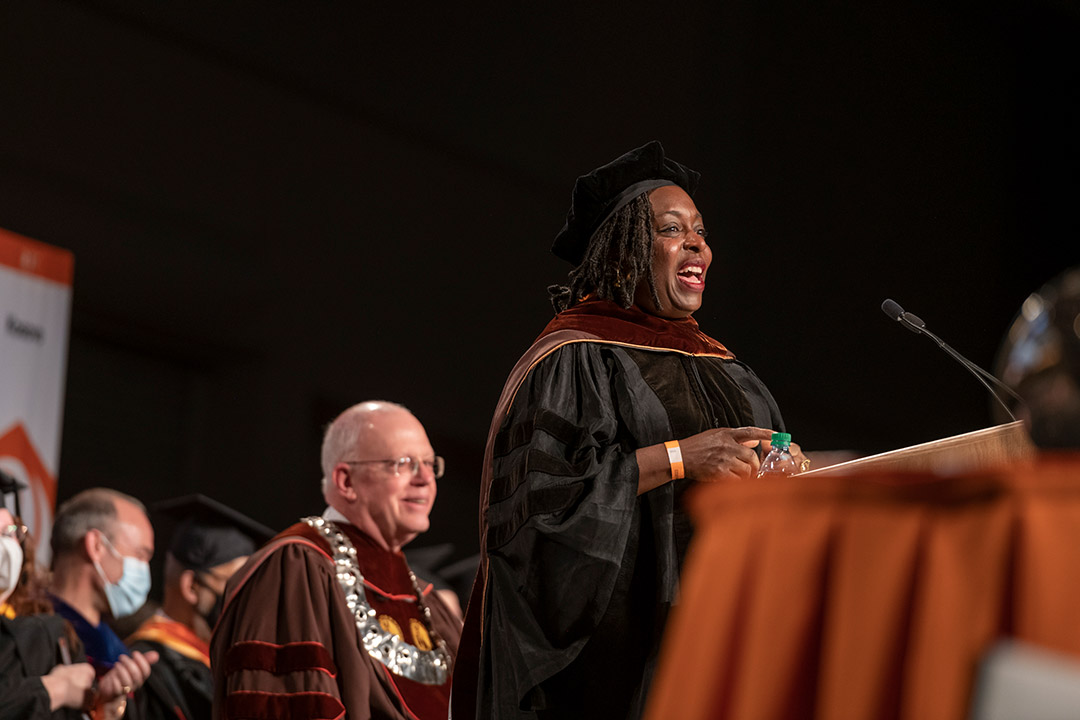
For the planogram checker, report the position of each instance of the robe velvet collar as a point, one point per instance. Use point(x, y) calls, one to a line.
point(607, 321)
point(385, 571)
point(103, 646)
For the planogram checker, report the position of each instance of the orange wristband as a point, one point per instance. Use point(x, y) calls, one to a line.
point(674, 456)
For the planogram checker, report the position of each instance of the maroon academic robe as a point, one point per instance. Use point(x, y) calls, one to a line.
point(288, 647)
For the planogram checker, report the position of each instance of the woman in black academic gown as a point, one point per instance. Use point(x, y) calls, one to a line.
point(620, 405)
point(43, 673)
point(34, 681)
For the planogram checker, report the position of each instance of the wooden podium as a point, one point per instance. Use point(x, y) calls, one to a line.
point(980, 449)
point(872, 588)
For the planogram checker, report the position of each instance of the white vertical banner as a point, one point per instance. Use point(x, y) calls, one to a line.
point(35, 314)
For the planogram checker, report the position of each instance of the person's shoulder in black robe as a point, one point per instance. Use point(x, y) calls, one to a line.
point(29, 649)
point(179, 688)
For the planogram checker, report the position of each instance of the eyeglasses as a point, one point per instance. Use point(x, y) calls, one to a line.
point(15, 531)
point(436, 466)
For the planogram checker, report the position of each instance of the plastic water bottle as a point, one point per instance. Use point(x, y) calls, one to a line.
point(779, 462)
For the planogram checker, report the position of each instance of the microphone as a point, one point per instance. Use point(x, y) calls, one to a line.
point(916, 325)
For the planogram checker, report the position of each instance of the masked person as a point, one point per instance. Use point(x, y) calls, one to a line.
point(210, 543)
point(102, 542)
point(12, 535)
point(43, 671)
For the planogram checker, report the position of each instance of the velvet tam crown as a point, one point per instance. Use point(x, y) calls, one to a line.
point(601, 193)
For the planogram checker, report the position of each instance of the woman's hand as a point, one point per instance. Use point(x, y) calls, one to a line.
point(723, 453)
point(801, 460)
point(69, 686)
point(711, 456)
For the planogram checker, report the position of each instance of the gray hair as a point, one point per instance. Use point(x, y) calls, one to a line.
point(344, 433)
point(93, 509)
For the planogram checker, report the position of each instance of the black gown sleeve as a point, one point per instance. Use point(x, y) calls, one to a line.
point(163, 696)
point(561, 507)
point(27, 652)
point(25, 699)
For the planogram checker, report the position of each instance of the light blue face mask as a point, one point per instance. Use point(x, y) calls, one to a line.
point(127, 594)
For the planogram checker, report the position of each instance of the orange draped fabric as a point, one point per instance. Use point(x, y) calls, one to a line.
point(868, 597)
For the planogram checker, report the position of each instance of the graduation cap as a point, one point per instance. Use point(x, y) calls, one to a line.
point(10, 486)
point(210, 533)
point(601, 193)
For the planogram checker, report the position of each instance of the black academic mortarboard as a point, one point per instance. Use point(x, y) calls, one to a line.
point(10, 486)
point(210, 533)
point(605, 190)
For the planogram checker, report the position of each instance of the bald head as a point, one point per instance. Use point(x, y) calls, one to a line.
point(350, 428)
point(96, 509)
point(364, 480)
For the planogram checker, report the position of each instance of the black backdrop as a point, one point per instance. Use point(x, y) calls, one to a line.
point(278, 209)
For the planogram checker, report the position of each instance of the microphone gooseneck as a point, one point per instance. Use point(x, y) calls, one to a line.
point(916, 325)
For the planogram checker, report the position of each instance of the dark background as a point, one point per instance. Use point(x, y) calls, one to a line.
point(278, 209)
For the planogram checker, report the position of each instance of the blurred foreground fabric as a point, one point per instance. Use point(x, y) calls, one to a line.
point(874, 596)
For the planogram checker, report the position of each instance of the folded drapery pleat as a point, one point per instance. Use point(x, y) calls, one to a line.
point(871, 596)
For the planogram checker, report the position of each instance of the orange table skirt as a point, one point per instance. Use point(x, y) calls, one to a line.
point(868, 597)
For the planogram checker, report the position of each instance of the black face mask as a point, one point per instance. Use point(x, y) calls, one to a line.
point(214, 614)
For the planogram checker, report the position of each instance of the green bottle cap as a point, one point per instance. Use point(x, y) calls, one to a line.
point(779, 438)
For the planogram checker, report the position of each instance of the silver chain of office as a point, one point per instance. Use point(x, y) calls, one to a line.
point(430, 667)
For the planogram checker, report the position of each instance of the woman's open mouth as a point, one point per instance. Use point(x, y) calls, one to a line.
point(692, 275)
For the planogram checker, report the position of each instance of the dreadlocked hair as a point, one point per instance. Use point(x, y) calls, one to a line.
point(619, 255)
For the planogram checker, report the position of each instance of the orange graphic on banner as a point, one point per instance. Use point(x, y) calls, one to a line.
point(15, 444)
point(36, 258)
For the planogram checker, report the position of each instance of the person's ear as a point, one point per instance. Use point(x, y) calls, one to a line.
point(93, 545)
point(186, 582)
point(344, 481)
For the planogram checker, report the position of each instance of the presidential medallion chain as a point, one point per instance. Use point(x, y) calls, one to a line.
point(430, 667)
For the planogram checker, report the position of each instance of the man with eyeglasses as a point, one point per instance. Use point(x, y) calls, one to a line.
point(209, 543)
point(327, 619)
